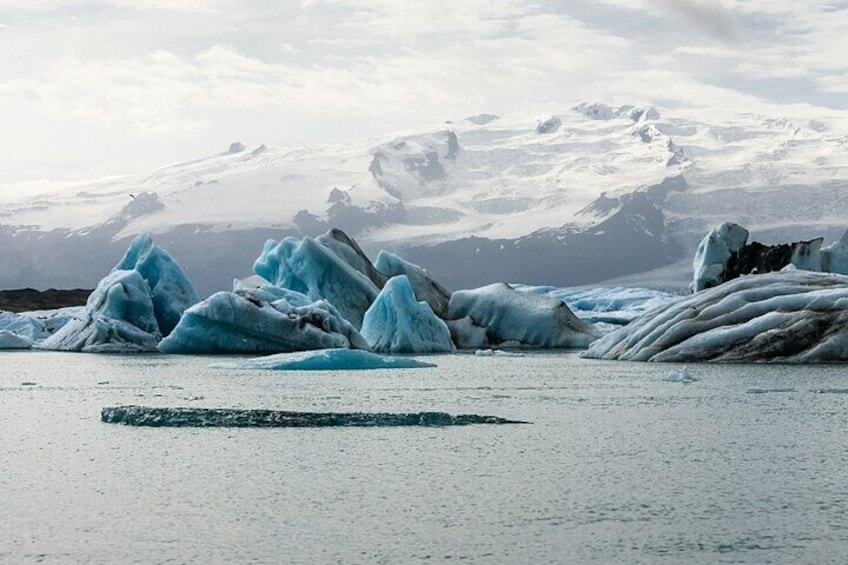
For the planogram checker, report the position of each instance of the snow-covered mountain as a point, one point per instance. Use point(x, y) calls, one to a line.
point(588, 194)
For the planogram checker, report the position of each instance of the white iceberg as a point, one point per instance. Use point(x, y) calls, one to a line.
point(118, 318)
point(519, 318)
point(256, 321)
point(714, 252)
point(398, 323)
point(787, 317)
point(327, 360)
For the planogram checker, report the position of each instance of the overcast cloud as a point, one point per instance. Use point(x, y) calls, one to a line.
point(89, 88)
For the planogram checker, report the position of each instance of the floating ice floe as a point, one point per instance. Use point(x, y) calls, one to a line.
point(497, 353)
point(241, 418)
point(516, 319)
point(789, 317)
point(398, 323)
point(681, 376)
point(326, 360)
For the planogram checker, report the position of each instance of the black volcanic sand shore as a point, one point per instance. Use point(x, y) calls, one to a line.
point(27, 299)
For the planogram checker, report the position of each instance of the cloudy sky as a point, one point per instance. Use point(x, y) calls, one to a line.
point(97, 87)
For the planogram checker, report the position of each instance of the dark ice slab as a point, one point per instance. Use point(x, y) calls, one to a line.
point(243, 418)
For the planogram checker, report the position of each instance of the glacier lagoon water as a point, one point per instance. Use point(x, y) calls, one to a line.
point(747, 465)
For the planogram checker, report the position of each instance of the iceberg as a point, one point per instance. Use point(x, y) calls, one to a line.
point(309, 267)
point(714, 253)
point(240, 418)
point(118, 318)
point(788, 317)
point(11, 340)
point(519, 318)
point(397, 323)
point(170, 289)
point(606, 307)
point(262, 320)
point(326, 360)
point(425, 287)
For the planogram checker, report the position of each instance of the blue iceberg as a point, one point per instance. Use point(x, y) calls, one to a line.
point(327, 360)
point(516, 318)
point(260, 320)
point(425, 287)
point(118, 318)
point(317, 271)
point(170, 289)
point(11, 340)
point(397, 323)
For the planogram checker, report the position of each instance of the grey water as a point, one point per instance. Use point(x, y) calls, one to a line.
point(749, 464)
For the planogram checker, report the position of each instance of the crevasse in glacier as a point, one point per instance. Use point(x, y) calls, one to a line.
point(170, 289)
point(518, 318)
point(260, 320)
point(398, 323)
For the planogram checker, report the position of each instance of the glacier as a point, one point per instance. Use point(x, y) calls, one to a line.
point(118, 318)
point(792, 316)
point(516, 318)
point(398, 323)
point(261, 320)
point(326, 360)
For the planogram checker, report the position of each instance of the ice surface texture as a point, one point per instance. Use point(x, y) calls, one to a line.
point(263, 320)
point(240, 418)
point(790, 317)
point(327, 360)
point(170, 290)
point(724, 254)
point(320, 272)
point(132, 307)
point(515, 318)
point(118, 317)
point(398, 323)
point(11, 340)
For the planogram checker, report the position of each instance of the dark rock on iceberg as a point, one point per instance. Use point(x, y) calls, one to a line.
point(241, 418)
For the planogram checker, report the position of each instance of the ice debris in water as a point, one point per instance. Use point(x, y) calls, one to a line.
point(497, 353)
point(326, 360)
point(681, 376)
point(236, 417)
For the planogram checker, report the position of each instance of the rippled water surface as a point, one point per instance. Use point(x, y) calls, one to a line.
point(747, 465)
